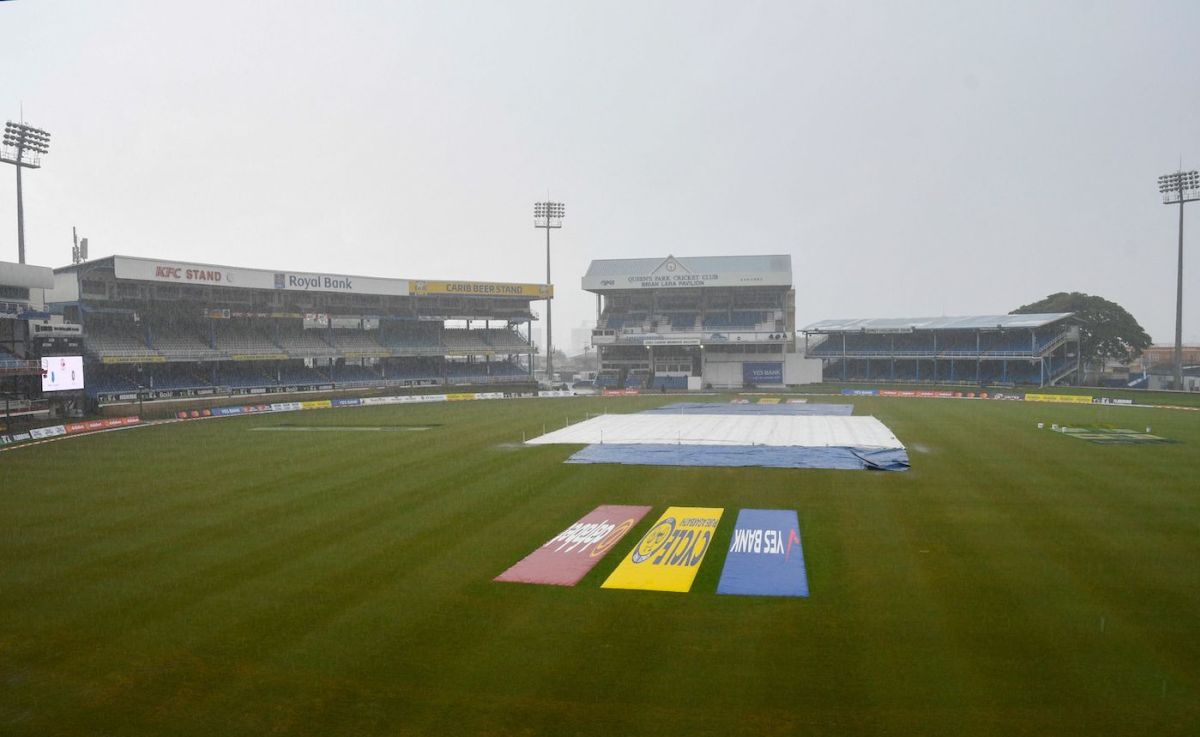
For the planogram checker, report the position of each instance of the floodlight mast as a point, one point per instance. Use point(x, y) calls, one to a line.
point(23, 147)
point(1181, 187)
point(549, 215)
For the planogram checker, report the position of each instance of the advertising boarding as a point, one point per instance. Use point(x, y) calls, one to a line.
point(668, 557)
point(568, 556)
point(765, 557)
point(762, 373)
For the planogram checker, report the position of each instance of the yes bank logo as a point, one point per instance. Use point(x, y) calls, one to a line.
point(757, 541)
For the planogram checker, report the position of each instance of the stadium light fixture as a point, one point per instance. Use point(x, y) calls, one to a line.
point(1180, 187)
point(23, 147)
point(549, 215)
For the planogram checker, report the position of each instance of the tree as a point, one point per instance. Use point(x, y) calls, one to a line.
point(1106, 329)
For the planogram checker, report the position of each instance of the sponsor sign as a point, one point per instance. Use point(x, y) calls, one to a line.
point(484, 289)
point(769, 400)
point(93, 425)
point(674, 273)
point(669, 555)
point(346, 402)
point(618, 392)
point(925, 394)
point(178, 272)
point(133, 359)
point(762, 373)
point(259, 357)
point(1110, 400)
point(765, 557)
point(1061, 398)
point(47, 432)
point(459, 397)
point(797, 401)
point(285, 406)
point(860, 392)
point(1005, 395)
point(226, 411)
point(570, 554)
point(671, 341)
point(318, 404)
point(739, 401)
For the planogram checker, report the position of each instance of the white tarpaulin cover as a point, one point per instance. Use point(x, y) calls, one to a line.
point(727, 430)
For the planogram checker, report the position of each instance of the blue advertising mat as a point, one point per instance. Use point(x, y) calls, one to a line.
point(783, 408)
point(849, 459)
point(765, 557)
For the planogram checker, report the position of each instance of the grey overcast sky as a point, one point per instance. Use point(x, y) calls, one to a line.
point(915, 159)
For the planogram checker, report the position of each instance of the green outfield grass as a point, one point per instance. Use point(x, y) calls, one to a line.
point(204, 578)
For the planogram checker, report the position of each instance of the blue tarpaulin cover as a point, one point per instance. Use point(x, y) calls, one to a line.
point(770, 456)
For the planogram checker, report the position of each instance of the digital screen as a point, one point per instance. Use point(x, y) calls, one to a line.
point(62, 373)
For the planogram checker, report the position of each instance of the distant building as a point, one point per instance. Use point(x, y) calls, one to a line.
point(678, 323)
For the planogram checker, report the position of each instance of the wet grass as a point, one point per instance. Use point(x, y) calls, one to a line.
point(200, 578)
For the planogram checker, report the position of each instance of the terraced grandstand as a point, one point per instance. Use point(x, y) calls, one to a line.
point(986, 349)
point(679, 323)
point(158, 329)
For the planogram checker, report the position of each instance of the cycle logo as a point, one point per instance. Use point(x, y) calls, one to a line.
point(654, 539)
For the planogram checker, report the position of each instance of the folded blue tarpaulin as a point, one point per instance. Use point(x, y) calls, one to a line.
point(770, 456)
point(714, 408)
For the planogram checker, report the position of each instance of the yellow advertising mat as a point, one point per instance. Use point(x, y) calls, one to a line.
point(668, 557)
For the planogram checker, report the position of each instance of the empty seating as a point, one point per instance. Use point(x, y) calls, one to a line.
point(358, 341)
point(464, 340)
point(305, 343)
point(235, 337)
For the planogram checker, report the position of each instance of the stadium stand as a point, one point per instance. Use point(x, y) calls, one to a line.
point(985, 349)
point(159, 329)
point(725, 321)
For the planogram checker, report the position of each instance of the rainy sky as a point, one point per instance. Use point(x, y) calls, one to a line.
point(915, 159)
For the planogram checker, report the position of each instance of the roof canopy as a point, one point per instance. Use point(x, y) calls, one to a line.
point(196, 274)
point(909, 324)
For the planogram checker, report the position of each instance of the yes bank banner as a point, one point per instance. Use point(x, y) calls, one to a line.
point(765, 557)
point(762, 373)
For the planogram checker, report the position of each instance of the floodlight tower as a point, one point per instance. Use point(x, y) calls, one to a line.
point(23, 147)
point(549, 215)
point(1181, 187)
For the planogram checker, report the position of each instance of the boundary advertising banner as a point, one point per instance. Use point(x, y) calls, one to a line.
point(568, 556)
point(1061, 398)
point(668, 556)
